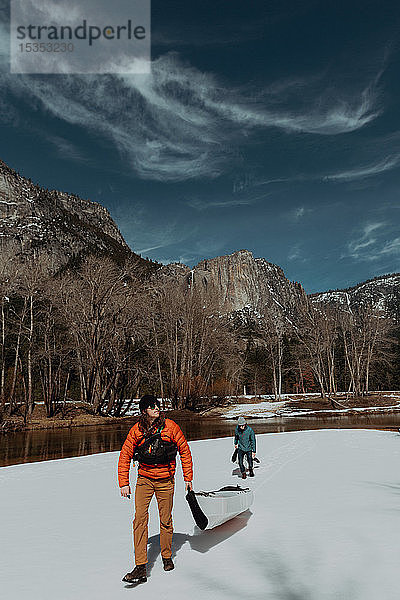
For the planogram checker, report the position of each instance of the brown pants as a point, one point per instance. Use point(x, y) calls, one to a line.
point(164, 491)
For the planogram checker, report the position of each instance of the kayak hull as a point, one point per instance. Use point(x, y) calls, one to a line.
point(216, 507)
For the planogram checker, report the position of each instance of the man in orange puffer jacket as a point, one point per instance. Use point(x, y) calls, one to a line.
point(152, 479)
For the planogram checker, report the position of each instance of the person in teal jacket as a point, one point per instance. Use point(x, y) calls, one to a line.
point(245, 442)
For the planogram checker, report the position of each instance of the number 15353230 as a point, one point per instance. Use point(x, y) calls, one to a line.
point(46, 47)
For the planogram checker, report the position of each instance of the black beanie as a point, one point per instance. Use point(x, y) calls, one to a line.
point(146, 401)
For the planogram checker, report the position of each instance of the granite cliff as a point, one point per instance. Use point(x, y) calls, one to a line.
point(36, 221)
point(241, 285)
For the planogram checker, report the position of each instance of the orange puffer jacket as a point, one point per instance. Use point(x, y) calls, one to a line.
point(171, 433)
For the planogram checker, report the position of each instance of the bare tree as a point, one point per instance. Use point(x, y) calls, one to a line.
point(191, 343)
point(271, 336)
point(33, 278)
point(8, 280)
point(316, 330)
point(365, 334)
point(53, 354)
point(102, 304)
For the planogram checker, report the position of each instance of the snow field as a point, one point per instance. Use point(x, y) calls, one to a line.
point(324, 525)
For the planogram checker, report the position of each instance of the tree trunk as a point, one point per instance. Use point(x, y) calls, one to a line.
point(30, 399)
point(3, 348)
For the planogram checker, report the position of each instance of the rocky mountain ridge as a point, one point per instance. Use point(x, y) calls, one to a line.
point(59, 226)
point(35, 221)
point(383, 293)
point(250, 287)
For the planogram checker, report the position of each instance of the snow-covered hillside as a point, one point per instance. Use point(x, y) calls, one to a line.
point(53, 224)
point(382, 292)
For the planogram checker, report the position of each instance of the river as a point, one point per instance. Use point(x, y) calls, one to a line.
point(48, 444)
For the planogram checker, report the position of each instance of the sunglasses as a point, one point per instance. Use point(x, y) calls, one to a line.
point(153, 406)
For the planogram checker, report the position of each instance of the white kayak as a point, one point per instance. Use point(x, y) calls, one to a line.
point(217, 507)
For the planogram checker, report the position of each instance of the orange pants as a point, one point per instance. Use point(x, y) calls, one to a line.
point(164, 491)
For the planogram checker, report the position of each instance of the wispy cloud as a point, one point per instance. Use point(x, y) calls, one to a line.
point(298, 213)
point(201, 204)
point(180, 123)
point(151, 235)
point(364, 239)
point(146, 230)
point(157, 238)
point(391, 247)
point(381, 166)
point(202, 246)
point(67, 149)
point(371, 243)
point(295, 253)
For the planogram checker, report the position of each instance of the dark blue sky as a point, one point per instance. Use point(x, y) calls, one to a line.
point(271, 126)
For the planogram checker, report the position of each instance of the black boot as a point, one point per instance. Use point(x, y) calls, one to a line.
point(244, 475)
point(168, 564)
point(138, 575)
point(251, 473)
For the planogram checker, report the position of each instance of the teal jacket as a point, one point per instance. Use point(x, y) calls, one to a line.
point(245, 439)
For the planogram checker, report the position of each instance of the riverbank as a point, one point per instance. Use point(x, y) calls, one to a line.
point(302, 405)
point(76, 417)
point(251, 407)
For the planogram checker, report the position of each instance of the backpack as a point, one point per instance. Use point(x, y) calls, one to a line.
point(155, 451)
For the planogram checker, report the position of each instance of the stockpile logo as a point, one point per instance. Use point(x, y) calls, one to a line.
point(89, 36)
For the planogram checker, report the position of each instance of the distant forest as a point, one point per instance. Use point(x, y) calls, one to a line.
point(103, 334)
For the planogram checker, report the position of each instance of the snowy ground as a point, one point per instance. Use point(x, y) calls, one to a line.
point(324, 525)
point(266, 409)
point(257, 410)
